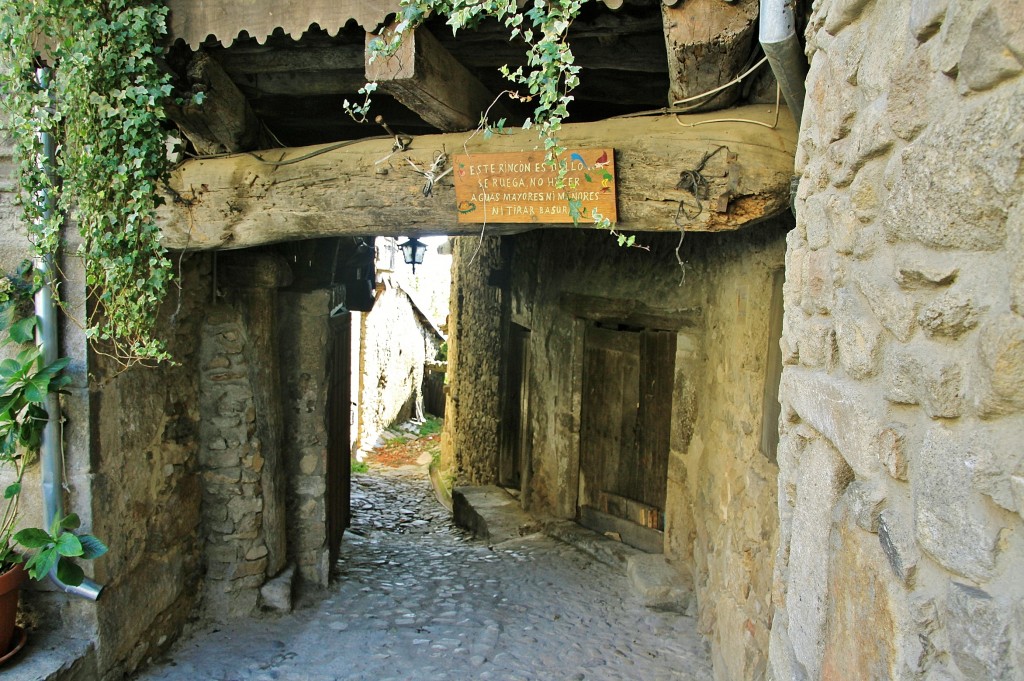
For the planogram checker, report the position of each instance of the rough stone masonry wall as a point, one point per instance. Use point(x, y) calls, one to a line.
point(145, 486)
point(241, 431)
point(305, 332)
point(470, 437)
point(901, 487)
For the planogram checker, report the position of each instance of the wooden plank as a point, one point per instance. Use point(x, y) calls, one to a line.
point(425, 77)
point(626, 311)
point(522, 187)
point(364, 188)
point(708, 42)
point(224, 121)
point(339, 454)
point(657, 379)
point(632, 510)
point(600, 416)
point(643, 538)
point(194, 21)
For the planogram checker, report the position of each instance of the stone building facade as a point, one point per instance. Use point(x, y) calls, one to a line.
point(900, 463)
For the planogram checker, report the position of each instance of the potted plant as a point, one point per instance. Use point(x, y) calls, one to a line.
point(25, 382)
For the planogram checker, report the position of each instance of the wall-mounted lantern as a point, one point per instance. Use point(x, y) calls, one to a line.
point(412, 251)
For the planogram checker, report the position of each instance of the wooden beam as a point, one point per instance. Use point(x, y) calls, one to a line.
point(708, 43)
point(632, 312)
point(224, 121)
point(248, 270)
point(365, 189)
point(425, 77)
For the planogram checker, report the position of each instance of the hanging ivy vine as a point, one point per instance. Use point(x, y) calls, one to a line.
point(551, 73)
point(102, 105)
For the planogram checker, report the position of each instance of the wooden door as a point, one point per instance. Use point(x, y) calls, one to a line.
point(625, 427)
point(514, 445)
point(339, 466)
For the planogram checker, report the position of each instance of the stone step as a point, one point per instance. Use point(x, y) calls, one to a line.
point(495, 516)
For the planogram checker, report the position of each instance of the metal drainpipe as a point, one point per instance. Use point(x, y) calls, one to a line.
point(777, 35)
point(51, 455)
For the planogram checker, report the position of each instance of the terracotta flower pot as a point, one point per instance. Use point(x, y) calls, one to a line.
point(10, 589)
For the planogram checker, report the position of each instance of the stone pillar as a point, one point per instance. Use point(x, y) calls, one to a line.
point(470, 436)
point(242, 426)
point(305, 331)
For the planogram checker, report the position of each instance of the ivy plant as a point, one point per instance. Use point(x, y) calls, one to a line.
point(551, 73)
point(102, 105)
point(550, 76)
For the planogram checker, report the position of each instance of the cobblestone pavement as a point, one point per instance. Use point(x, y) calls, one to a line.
point(417, 598)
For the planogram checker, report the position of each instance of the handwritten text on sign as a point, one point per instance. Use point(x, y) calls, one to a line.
point(520, 187)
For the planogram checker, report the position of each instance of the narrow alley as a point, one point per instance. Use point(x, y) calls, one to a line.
point(418, 598)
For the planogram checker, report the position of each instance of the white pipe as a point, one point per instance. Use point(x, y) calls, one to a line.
point(778, 38)
point(51, 456)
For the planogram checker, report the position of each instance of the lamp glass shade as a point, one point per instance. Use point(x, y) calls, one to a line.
point(412, 251)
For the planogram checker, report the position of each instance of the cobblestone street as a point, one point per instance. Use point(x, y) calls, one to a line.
point(417, 598)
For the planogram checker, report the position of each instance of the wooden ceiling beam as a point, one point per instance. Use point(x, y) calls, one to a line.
point(425, 77)
point(366, 188)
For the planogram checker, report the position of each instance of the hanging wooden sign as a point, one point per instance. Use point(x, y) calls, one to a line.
point(520, 187)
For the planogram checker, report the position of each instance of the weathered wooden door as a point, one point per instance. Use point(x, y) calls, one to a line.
point(625, 429)
point(339, 466)
point(514, 454)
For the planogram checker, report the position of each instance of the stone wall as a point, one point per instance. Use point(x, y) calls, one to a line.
point(469, 441)
point(144, 485)
point(721, 491)
point(392, 355)
point(900, 483)
point(241, 458)
point(306, 334)
point(131, 473)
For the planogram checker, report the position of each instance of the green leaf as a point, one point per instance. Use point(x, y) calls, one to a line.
point(71, 522)
point(68, 545)
point(23, 331)
point(92, 547)
point(42, 563)
point(33, 538)
point(36, 389)
point(9, 367)
point(12, 490)
point(69, 572)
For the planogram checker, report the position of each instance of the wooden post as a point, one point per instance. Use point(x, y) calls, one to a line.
point(708, 43)
point(224, 121)
point(425, 77)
